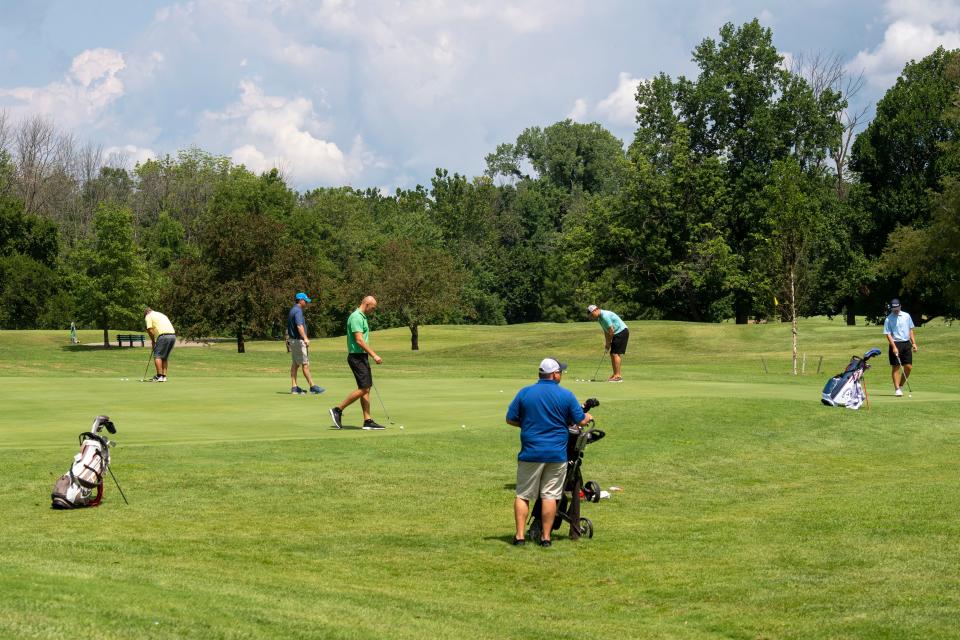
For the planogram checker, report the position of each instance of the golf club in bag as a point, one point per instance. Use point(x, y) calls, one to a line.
point(568, 509)
point(846, 388)
point(75, 489)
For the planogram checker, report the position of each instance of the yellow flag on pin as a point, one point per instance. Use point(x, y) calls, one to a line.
point(775, 303)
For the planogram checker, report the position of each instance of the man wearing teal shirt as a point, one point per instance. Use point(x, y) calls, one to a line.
point(898, 328)
point(358, 357)
point(615, 336)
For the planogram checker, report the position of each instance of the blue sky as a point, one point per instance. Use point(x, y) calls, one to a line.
point(381, 92)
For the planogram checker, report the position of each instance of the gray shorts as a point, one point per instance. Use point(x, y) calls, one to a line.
point(164, 345)
point(543, 479)
point(299, 352)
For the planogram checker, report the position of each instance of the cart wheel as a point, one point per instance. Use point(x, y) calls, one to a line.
point(586, 527)
point(591, 491)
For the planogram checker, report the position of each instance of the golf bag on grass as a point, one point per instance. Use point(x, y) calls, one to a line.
point(82, 485)
point(574, 489)
point(846, 389)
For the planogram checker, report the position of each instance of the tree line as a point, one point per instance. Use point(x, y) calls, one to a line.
point(744, 194)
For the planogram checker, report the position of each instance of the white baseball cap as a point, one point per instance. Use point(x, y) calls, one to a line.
point(550, 365)
point(591, 308)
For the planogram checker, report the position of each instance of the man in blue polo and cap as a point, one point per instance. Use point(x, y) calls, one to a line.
point(299, 345)
point(898, 329)
point(543, 411)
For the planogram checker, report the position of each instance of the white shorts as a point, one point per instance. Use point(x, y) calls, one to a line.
point(544, 479)
point(299, 353)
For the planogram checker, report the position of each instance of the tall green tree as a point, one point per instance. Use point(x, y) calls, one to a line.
point(420, 284)
point(794, 221)
point(569, 155)
point(745, 111)
point(109, 278)
point(906, 159)
point(244, 271)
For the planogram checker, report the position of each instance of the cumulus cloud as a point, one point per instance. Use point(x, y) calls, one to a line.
point(90, 86)
point(278, 132)
point(128, 155)
point(916, 28)
point(579, 110)
point(620, 107)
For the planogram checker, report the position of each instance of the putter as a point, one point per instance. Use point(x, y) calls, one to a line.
point(147, 368)
point(903, 376)
point(382, 406)
point(599, 364)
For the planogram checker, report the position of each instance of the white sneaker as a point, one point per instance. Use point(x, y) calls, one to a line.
point(898, 392)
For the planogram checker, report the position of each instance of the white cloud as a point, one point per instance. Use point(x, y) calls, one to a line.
point(916, 28)
point(620, 107)
point(579, 110)
point(278, 132)
point(128, 155)
point(91, 84)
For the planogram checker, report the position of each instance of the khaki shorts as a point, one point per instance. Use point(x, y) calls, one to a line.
point(540, 478)
point(299, 353)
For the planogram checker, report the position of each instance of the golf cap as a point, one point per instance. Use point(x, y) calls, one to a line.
point(549, 365)
point(591, 308)
point(895, 303)
point(303, 296)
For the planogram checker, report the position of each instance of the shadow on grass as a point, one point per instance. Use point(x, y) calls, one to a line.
point(95, 347)
point(508, 539)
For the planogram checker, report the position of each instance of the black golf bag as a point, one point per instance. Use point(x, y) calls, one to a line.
point(82, 485)
point(574, 489)
point(846, 388)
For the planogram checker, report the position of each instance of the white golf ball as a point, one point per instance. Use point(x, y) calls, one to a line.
point(401, 426)
point(463, 426)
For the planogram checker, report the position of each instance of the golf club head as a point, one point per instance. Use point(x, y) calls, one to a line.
point(103, 422)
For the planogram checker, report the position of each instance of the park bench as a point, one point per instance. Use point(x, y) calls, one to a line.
point(129, 338)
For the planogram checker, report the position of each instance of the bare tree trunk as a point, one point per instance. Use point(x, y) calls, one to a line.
point(414, 337)
point(850, 312)
point(106, 335)
point(241, 346)
point(793, 317)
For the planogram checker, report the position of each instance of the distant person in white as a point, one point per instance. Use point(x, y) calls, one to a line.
point(898, 328)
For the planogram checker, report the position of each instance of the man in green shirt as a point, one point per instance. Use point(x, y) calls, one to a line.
point(358, 357)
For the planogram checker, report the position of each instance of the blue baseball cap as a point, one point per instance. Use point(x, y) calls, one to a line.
point(895, 303)
point(303, 296)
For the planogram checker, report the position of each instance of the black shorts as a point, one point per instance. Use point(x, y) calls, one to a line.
point(360, 365)
point(618, 344)
point(164, 345)
point(906, 354)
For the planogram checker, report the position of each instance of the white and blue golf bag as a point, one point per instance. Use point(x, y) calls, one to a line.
point(846, 389)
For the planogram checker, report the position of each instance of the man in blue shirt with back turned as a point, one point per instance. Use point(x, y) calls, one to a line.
point(299, 345)
point(898, 328)
point(543, 411)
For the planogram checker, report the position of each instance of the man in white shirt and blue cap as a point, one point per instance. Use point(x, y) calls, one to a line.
point(898, 328)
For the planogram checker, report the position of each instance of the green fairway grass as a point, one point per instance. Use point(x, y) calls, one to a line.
point(748, 509)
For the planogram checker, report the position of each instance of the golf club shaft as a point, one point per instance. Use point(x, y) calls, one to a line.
point(382, 406)
point(599, 364)
point(903, 375)
point(118, 485)
point(147, 368)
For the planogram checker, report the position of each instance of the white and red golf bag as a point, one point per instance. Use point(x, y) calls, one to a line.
point(82, 485)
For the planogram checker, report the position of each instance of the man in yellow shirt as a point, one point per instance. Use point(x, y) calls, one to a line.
point(162, 339)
